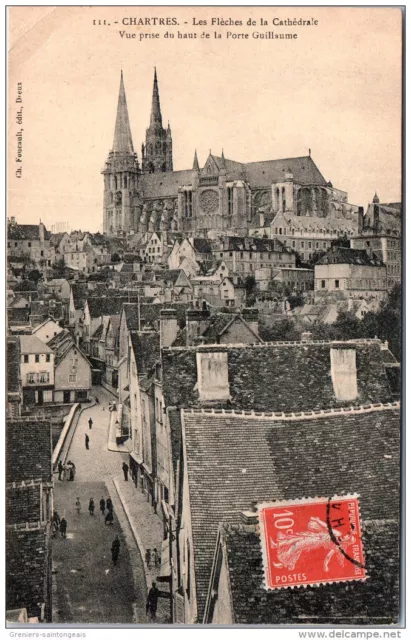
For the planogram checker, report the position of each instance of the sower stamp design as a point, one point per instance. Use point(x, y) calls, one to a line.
point(311, 541)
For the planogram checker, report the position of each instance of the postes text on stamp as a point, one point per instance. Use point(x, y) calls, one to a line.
point(311, 541)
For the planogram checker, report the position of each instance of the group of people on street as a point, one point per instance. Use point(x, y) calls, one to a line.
point(58, 524)
point(153, 558)
point(66, 471)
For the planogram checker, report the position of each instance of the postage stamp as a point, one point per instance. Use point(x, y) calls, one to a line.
point(311, 541)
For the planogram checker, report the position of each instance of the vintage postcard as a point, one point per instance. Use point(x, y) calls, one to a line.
point(204, 258)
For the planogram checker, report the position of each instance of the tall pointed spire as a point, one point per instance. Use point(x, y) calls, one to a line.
point(123, 141)
point(196, 166)
point(155, 104)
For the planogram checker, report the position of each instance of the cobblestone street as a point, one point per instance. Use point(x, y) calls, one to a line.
point(88, 588)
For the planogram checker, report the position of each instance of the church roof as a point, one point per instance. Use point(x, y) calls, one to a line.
point(165, 185)
point(304, 170)
point(123, 141)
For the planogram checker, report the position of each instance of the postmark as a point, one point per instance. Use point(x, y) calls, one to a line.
point(311, 541)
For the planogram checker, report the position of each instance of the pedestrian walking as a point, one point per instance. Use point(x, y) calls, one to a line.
point(90, 423)
point(109, 518)
point(152, 599)
point(71, 470)
point(148, 558)
point(115, 550)
point(63, 528)
point(78, 505)
point(102, 506)
point(87, 441)
point(153, 557)
point(60, 468)
point(109, 505)
point(125, 471)
point(91, 507)
point(156, 558)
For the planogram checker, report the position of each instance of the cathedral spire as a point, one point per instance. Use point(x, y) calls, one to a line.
point(155, 104)
point(123, 141)
point(196, 166)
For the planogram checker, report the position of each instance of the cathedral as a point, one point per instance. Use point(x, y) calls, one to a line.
point(224, 197)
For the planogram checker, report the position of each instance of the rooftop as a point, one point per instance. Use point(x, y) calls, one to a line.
point(234, 461)
point(32, 344)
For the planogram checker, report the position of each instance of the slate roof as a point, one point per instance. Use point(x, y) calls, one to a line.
point(109, 306)
point(146, 348)
point(375, 601)
point(32, 344)
point(80, 292)
point(220, 323)
point(234, 460)
point(174, 420)
point(165, 185)
point(61, 345)
point(304, 170)
point(201, 245)
point(344, 255)
point(23, 232)
point(248, 243)
point(28, 450)
point(13, 365)
point(277, 376)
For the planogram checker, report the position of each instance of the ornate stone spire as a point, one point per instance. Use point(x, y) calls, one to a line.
point(155, 104)
point(123, 141)
point(196, 166)
point(376, 199)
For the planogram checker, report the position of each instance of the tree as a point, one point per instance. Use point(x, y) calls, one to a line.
point(26, 285)
point(35, 276)
point(250, 290)
point(296, 300)
point(115, 258)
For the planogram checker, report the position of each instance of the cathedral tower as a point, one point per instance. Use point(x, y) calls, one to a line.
point(157, 153)
point(120, 174)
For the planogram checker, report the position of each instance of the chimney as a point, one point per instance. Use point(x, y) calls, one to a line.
point(196, 323)
point(250, 315)
point(306, 336)
point(212, 375)
point(168, 327)
point(344, 372)
point(360, 219)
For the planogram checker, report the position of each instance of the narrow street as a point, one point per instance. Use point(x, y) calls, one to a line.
point(88, 588)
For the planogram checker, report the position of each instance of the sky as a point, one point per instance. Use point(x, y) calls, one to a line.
point(335, 89)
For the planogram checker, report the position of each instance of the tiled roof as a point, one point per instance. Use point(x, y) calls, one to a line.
point(344, 255)
point(277, 376)
point(234, 460)
point(23, 504)
point(61, 344)
point(13, 365)
point(32, 344)
point(375, 601)
point(27, 569)
point(165, 185)
point(219, 324)
point(28, 450)
point(168, 275)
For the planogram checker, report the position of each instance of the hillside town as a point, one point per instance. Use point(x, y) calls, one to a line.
point(232, 338)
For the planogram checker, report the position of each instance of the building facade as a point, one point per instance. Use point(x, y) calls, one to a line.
point(223, 197)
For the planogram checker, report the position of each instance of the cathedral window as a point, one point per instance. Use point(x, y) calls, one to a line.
point(188, 204)
point(111, 198)
point(230, 194)
point(125, 182)
point(115, 182)
point(283, 198)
